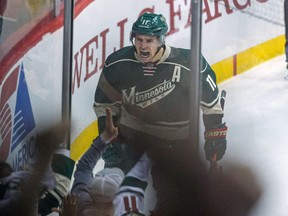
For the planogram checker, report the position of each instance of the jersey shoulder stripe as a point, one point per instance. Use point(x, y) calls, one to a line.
point(120, 55)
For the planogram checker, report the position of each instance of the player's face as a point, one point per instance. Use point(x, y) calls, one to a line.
point(146, 47)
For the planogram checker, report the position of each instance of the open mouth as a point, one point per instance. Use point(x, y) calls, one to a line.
point(144, 54)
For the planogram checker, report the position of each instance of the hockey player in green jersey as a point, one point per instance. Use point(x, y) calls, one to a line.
point(146, 86)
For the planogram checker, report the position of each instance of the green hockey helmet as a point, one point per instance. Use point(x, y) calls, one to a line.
point(150, 24)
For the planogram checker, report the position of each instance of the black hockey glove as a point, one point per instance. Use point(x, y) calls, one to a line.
point(215, 142)
point(114, 154)
point(121, 155)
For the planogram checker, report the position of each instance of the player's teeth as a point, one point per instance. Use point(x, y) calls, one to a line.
point(145, 54)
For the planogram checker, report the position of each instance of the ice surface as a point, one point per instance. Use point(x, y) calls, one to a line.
point(256, 113)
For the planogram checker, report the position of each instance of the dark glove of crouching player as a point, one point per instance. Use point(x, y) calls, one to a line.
point(215, 138)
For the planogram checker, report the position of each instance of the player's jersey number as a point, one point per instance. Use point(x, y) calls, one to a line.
point(211, 82)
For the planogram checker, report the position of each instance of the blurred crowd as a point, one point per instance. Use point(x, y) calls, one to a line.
point(45, 185)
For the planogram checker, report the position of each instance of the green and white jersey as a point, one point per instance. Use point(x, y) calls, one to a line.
point(153, 98)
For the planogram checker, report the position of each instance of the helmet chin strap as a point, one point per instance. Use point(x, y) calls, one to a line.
point(157, 55)
point(159, 48)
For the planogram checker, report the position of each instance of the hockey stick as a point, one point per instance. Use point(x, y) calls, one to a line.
point(215, 169)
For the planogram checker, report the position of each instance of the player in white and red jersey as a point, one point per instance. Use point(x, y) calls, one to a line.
point(130, 196)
